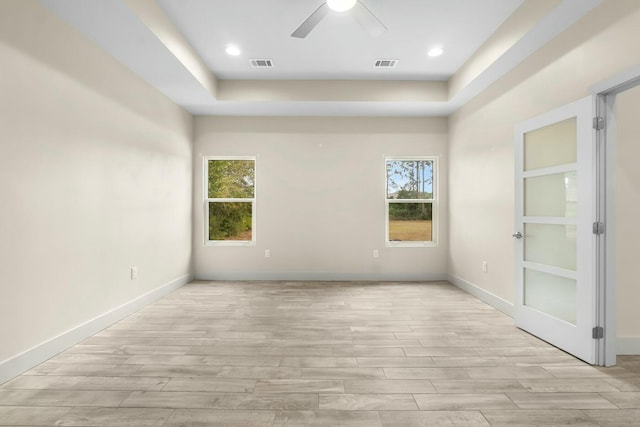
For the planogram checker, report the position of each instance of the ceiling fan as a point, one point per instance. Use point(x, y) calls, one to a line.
point(363, 15)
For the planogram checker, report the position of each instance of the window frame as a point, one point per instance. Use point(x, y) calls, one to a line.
point(207, 200)
point(433, 201)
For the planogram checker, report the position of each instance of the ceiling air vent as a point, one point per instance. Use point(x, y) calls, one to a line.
point(385, 63)
point(261, 63)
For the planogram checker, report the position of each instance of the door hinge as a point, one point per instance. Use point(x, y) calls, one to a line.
point(598, 228)
point(597, 333)
point(598, 123)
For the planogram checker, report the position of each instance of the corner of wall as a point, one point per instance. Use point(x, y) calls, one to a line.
point(495, 301)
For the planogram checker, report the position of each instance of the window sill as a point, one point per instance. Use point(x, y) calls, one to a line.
point(411, 244)
point(231, 243)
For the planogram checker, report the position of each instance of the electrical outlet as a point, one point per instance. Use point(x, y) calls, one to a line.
point(376, 254)
point(485, 266)
point(267, 253)
point(134, 273)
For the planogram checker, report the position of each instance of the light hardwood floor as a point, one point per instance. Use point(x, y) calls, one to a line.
point(320, 354)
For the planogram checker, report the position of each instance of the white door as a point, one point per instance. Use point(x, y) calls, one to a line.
point(554, 234)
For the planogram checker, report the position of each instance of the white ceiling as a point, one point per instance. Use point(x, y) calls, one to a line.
point(178, 47)
point(338, 48)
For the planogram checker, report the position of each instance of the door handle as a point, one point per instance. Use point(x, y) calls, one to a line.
point(517, 235)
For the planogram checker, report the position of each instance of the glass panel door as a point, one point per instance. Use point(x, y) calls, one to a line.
point(555, 251)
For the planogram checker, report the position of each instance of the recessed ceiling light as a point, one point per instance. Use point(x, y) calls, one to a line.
point(232, 50)
point(341, 5)
point(435, 51)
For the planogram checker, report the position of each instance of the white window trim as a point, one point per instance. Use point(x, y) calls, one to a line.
point(205, 176)
point(435, 223)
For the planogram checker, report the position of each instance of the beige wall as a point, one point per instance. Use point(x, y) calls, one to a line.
point(320, 197)
point(481, 136)
point(95, 177)
point(627, 212)
point(94, 162)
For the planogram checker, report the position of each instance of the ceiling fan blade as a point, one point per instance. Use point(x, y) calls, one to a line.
point(368, 20)
point(303, 30)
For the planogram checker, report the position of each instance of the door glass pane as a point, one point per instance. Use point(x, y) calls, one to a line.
point(550, 294)
point(551, 244)
point(551, 195)
point(551, 145)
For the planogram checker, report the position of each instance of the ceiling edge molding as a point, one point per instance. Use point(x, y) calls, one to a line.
point(563, 16)
point(523, 20)
point(157, 21)
point(114, 27)
point(321, 109)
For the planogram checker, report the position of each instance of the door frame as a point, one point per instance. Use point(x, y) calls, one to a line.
point(606, 140)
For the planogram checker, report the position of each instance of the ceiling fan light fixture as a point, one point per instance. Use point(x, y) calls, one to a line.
point(341, 5)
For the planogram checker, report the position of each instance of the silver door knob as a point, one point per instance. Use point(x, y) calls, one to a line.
point(518, 235)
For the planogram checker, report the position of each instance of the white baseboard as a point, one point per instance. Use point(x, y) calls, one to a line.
point(319, 276)
point(18, 364)
point(628, 346)
point(495, 301)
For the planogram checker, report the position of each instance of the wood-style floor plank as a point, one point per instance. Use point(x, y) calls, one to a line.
point(279, 354)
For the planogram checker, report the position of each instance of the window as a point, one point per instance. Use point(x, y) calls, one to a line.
point(230, 201)
point(411, 201)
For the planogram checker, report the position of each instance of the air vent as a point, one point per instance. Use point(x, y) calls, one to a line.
point(385, 63)
point(261, 63)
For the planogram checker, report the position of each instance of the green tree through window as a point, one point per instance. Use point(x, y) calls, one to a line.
point(230, 201)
